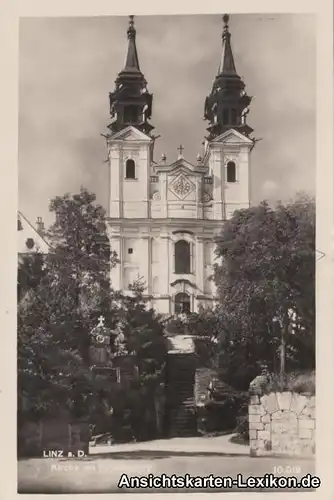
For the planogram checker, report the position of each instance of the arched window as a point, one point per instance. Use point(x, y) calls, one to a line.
point(226, 117)
point(130, 169)
point(182, 257)
point(231, 172)
point(182, 303)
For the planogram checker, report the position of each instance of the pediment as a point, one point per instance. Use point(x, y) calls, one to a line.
point(130, 134)
point(233, 137)
point(181, 166)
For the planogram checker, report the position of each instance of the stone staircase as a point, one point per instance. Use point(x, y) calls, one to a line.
point(181, 398)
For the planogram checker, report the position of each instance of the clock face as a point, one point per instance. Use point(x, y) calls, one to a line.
point(100, 339)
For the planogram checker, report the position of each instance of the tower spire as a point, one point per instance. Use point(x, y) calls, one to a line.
point(131, 103)
point(227, 66)
point(226, 106)
point(131, 60)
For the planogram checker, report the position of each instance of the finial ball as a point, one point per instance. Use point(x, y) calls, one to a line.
point(226, 18)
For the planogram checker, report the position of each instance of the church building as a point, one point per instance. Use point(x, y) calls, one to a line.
point(163, 217)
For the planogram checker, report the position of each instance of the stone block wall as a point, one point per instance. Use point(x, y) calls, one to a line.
point(282, 423)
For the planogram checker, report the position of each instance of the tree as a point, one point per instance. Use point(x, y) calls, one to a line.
point(30, 272)
point(142, 331)
point(56, 316)
point(266, 284)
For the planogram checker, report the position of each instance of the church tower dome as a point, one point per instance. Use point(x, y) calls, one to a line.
point(131, 103)
point(227, 105)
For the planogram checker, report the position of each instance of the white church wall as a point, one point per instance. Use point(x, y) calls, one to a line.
point(153, 248)
point(129, 198)
point(162, 305)
point(164, 264)
point(181, 209)
point(131, 250)
point(199, 266)
point(236, 194)
point(145, 266)
point(115, 183)
point(155, 282)
point(131, 274)
point(155, 209)
point(208, 268)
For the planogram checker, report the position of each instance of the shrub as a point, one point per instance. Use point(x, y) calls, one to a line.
point(298, 382)
point(222, 410)
point(242, 428)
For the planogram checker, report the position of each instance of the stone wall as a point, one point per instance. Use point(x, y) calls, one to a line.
point(282, 423)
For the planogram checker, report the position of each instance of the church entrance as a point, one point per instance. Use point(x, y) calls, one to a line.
point(182, 303)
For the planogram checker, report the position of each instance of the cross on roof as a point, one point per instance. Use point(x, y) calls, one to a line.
point(180, 148)
point(101, 321)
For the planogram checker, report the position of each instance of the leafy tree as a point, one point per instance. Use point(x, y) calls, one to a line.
point(266, 285)
point(30, 272)
point(56, 316)
point(142, 331)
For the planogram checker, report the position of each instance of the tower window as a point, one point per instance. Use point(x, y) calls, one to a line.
point(226, 117)
point(234, 117)
point(130, 169)
point(130, 114)
point(182, 257)
point(130, 250)
point(182, 303)
point(231, 172)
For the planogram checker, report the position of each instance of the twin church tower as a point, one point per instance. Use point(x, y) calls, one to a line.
point(163, 217)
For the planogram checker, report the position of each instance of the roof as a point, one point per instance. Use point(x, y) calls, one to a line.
point(29, 240)
point(131, 61)
point(227, 66)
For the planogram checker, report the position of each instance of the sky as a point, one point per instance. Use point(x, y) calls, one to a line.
point(67, 67)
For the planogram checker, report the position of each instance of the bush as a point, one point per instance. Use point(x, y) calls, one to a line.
point(242, 428)
point(222, 410)
point(301, 382)
point(298, 382)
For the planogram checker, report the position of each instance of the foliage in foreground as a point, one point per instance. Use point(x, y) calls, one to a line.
point(266, 283)
point(57, 314)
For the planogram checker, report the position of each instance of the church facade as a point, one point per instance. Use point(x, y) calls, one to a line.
point(163, 217)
